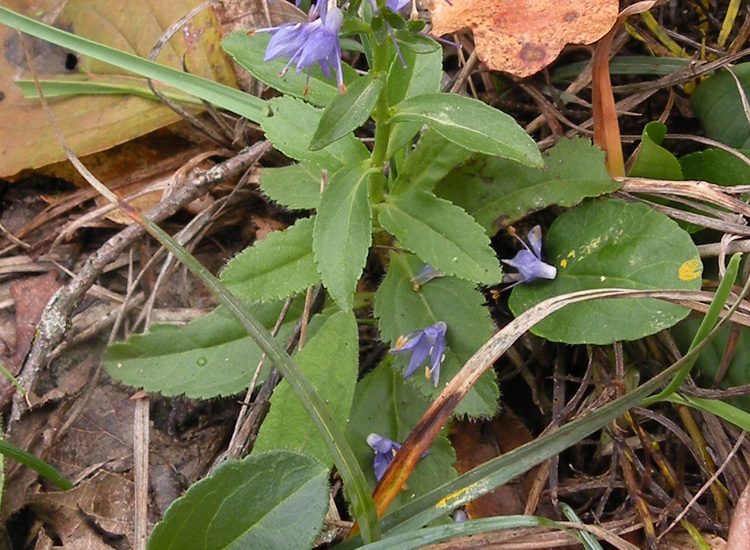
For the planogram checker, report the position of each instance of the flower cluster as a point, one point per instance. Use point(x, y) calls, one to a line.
point(316, 41)
point(528, 262)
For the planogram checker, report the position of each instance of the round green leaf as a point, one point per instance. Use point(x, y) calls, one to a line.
point(270, 500)
point(613, 244)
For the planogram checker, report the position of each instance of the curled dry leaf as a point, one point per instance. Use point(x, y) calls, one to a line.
point(521, 37)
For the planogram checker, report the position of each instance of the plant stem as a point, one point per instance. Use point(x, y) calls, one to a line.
point(381, 115)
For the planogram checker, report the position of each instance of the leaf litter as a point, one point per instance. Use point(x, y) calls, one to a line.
point(95, 448)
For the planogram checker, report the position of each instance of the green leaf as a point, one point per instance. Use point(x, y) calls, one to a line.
point(442, 234)
point(343, 231)
point(493, 189)
point(717, 104)
point(422, 75)
point(347, 112)
point(418, 43)
point(210, 357)
point(653, 160)
point(271, 500)
point(433, 158)
point(329, 360)
point(31, 461)
point(471, 124)
point(276, 267)
point(385, 405)
point(289, 124)
point(400, 309)
point(250, 51)
point(296, 186)
point(716, 166)
point(613, 244)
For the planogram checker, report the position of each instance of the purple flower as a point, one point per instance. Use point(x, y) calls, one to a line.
point(396, 5)
point(529, 262)
point(385, 449)
point(427, 274)
point(429, 341)
point(307, 43)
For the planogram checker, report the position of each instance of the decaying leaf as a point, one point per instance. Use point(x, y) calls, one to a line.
point(521, 37)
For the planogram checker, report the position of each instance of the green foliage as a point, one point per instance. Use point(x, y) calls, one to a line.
point(210, 357)
point(442, 234)
point(401, 309)
point(718, 106)
point(296, 186)
point(289, 124)
point(654, 161)
point(269, 500)
point(613, 244)
point(716, 166)
point(329, 360)
point(277, 267)
point(494, 189)
point(347, 112)
point(384, 404)
point(471, 124)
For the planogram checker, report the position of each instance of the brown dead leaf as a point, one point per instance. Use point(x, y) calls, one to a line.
point(739, 529)
point(95, 515)
point(521, 37)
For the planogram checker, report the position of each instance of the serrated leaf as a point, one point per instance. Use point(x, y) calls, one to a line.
point(430, 162)
point(653, 160)
point(296, 186)
point(347, 112)
point(492, 189)
point(422, 75)
point(442, 234)
point(210, 357)
point(329, 360)
point(385, 405)
point(471, 124)
point(250, 51)
point(717, 104)
point(716, 166)
point(276, 267)
point(613, 244)
point(271, 500)
point(401, 309)
point(343, 231)
point(289, 124)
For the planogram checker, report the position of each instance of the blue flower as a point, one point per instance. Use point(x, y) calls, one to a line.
point(528, 262)
point(429, 341)
point(305, 44)
point(427, 274)
point(385, 449)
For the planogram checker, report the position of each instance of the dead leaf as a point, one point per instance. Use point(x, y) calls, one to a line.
point(739, 529)
point(95, 515)
point(521, 37)
point(95, 123)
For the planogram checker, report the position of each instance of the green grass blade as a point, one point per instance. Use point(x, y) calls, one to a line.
point(222, 96)
point(36, 464)
point(709, 320)
point(587, 539)
point(728, 412)
point(343, 456)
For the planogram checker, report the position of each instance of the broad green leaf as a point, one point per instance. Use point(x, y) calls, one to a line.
point(471, 124)
point(296, 186)
point(400, 309)
point(493, 189)
point(329, 360)
point(276, 267)
point(653, 160)
point(717, 104)
point(343, 231)
point(415, 42)
point(289, 124)
point(271, 500)
point(442, 234)
point(433, 158)
point(422, 75)
point(249, 52)
point(210, 357)
point(385, 405)
point(716, 166)
point(347, 112)
point(613, 244)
